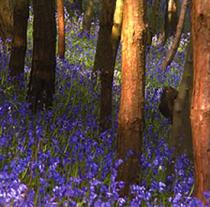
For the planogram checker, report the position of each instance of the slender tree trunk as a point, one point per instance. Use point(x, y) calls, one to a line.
point(181, 128)
point(170, 20)
point(200, 109)
point(88, 16)
point(78, 5)
point(130, 118)
point(61, 28)
point(180, 25)
point(116, 28)
point(19, 44)
point(172, 17)
point(104, 62)
point(154, 18)
point(42, 77)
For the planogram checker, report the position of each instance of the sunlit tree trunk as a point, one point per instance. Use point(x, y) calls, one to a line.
point(181, 128)
point(130, 118)
point(42, 77)
point(116, 28)
point(104, 62)
point(61, 28)
point(200, 109)
point(19, 43)
point(88, 16)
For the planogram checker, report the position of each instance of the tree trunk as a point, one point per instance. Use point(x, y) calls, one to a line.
point(172, 17)
point(170, 20)
point(130, 118)
point(200, 109)
point(152, 27)
point(61, 29)
point(88, 16)
point(19, 44)
point(104, 62)
point(181, 128)
point(116, 28)
point(170, 55)
point(42, 77)
point(6, 19)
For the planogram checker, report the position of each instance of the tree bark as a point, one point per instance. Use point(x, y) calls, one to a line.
point(152, 27)
point(19, 44)
point(42, 77)
point(6, 19)
point(200, 109)
point(116, 28)
point(181, 128)
point(180, 25)
point(61, 28)
point(88, 17)
point(104, 62)
point(130, 118)
point(170, 20)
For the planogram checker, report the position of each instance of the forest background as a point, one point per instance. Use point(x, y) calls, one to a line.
point(84, 128)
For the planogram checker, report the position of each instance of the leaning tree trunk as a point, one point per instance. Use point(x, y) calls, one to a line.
point(170, 55)
point(104, 62)
point(200, 109)
point(61, 28)
point(42, 77)
point(19, 44)
point(86, 25)
point(181, 128)
point(130, 118)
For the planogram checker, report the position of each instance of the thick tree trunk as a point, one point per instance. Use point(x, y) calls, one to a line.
point(61, 28)
point(200, 109)
point(104, 62)
point(130, 119)
point(6, 18)
point(180, 25)
point(19, 44)
point(181, 128)
point(88, 16)
point(42, 77)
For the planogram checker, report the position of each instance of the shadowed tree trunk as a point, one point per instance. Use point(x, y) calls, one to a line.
point(181, 128)
point(42, 77)
point(61, 29)
point(19, 44)
point(171, 19)
point(88, 16)
point(130, 118)
point(200, 109)
point(152, 27)
point(104, 62)
point(6, 18)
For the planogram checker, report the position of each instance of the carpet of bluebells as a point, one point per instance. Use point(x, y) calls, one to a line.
point(59, 158)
